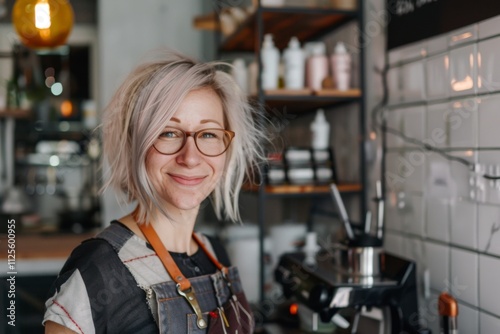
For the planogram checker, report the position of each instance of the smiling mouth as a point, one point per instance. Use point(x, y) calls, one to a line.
point(187, 180)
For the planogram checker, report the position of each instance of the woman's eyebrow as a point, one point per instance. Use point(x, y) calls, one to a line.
point(203, 121)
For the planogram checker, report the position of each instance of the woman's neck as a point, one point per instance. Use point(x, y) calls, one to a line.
point(175, 231)
point(176, 234)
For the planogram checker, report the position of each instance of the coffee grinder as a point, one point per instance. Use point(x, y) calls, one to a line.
point(354, 274)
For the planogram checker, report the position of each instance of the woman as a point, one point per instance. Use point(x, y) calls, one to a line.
point(175, 133)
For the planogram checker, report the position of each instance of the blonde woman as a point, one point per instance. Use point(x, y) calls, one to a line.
point(176, 132)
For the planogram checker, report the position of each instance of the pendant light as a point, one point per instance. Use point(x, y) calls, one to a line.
point(42, 23)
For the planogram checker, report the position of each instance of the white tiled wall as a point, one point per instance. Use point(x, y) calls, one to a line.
point(489, 118)
point(463, 70)
point(488, 324)
point(488, 71)
point(468, 321)
point(436, 76)
point(463, 214)
point(437, 219)
point(442, 212)
point(438, 263)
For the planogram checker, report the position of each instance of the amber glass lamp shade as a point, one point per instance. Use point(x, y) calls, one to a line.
point(42, 23)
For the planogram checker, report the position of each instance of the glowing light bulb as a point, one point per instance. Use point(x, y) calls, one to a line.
point(42, 15)
point(66, 108)
point(42, 23)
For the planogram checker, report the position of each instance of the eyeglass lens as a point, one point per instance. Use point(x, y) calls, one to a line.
point(210, 142)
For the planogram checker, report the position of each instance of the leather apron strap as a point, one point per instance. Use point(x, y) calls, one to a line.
point(212, 258)
point(183, 284)
point(165, 257)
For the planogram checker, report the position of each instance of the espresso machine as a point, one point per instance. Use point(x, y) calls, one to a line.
point(354, 274)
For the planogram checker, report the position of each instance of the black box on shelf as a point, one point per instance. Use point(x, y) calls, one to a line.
point(275, 169)
point(301, 165)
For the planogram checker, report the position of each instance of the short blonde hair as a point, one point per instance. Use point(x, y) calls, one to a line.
point(143, 105)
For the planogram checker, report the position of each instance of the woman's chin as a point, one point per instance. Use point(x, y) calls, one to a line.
point(186, 203)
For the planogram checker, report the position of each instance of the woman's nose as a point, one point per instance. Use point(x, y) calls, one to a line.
point(189, 155)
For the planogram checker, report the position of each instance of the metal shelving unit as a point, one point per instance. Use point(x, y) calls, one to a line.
point(306, 23)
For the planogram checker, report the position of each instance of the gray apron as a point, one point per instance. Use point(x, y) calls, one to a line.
point(212, 293)
point(224, 309)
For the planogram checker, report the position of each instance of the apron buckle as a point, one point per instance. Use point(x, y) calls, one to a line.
point(190, 296)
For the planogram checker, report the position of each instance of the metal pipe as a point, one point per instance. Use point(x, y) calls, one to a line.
point(368, 222)
point(380, 211)
point(342, 211)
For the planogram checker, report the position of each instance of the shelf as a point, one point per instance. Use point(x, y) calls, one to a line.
point(16, 113)
point(61, 130)
point(55, 160)
point(299, 102)
point(305, 23)
point(307, 189)
point(206, 22)
point(303, 93)
point(338, 93)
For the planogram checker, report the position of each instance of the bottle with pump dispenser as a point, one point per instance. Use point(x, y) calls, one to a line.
point(293, 58)
point(270, 57)
point(317, 66)
point(341, 67)
point(239, 74)
point(320, 131)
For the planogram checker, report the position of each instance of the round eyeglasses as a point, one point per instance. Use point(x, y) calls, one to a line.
point(210, 142)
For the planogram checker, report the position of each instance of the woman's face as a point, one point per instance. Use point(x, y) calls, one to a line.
point(186, 178)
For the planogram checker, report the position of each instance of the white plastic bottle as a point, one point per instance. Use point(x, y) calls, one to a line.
point(311, 248)
point(293, 57)
point(317, 66)
point(320, 131)
point(239, 73)
point(253, 74)
point(89, 111)
point(341, 67)
point(270, 57)
point(272, 3)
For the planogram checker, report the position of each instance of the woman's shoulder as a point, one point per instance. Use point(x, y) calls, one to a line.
point(91, 250)
point(94, 286)
point(98, 256)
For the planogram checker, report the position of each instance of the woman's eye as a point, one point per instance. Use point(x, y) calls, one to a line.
point(171, 134)
point(166, 134)
point(208, 135)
